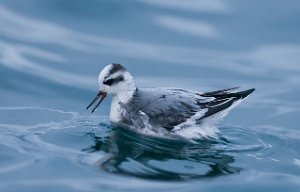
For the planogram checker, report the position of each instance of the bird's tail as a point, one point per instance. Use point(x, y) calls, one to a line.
point(227, 93)
point(225, 100)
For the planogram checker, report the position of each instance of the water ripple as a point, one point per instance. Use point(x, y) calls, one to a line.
point(101, 148)
point(130, 153)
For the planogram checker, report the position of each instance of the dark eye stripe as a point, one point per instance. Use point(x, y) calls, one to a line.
point(113, 81)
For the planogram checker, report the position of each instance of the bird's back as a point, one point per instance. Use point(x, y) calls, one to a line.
point(169, 108)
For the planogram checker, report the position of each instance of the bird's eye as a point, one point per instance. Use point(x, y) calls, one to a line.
point(108, 82)
point(116, 80)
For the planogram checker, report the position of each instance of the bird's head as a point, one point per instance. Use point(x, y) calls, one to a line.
point(116, 80)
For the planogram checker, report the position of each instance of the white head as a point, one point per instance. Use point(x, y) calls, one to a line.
point(116, 80)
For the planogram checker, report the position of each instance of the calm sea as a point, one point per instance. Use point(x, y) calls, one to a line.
point(51, 52)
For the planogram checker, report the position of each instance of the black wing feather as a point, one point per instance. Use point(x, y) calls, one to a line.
point(223, 100)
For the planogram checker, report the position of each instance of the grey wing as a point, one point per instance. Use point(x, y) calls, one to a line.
point(168, 108)
point(171, 107)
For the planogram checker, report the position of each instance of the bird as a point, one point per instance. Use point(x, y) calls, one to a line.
point(165, 108)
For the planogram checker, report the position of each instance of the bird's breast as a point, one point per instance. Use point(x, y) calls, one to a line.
point(115, 112)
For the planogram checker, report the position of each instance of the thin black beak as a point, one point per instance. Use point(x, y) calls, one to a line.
point(100, 95)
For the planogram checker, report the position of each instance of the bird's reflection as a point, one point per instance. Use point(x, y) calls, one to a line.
point(130, 153)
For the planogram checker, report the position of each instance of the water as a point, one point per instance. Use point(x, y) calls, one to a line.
point(50, 56)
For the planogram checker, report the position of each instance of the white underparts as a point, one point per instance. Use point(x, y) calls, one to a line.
point(115, 111)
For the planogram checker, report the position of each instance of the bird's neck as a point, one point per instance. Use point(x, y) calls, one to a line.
point(125, 95)
point(117, 107)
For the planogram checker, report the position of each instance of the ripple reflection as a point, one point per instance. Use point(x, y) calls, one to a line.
point(130, 153)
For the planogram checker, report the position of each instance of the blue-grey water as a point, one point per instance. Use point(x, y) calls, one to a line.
point(51, 52)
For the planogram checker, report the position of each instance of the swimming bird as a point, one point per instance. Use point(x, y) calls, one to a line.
point(167, 108)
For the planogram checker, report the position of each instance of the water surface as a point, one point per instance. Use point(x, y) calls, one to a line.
point(52, 51)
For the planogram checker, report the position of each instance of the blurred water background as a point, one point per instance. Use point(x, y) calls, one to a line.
point(51, 52)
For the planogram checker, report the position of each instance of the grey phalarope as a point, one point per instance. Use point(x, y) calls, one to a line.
point(167, 108)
